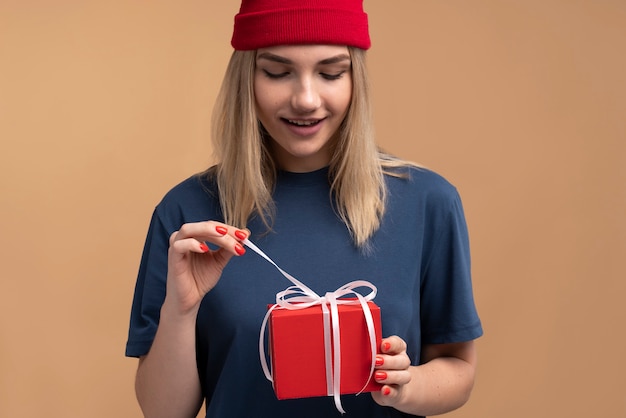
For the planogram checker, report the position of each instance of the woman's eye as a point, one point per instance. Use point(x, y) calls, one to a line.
point(335, 76)
point(275, 75)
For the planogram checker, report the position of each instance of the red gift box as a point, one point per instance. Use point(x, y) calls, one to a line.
point(297, 352)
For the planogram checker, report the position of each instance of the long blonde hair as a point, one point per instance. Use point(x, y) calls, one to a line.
point(246, 171)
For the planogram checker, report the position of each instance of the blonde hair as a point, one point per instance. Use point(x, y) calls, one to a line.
point(246, 171)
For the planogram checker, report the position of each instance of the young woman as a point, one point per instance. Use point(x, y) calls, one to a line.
point(298, 172)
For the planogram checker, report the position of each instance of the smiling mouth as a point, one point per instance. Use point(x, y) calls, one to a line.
point(302, 122)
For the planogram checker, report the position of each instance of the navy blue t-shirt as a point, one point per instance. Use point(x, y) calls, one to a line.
point(419, 260)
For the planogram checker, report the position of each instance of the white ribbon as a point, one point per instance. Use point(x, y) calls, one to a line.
point(300, 296)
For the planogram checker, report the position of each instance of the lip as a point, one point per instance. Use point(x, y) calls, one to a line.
point(308, 127)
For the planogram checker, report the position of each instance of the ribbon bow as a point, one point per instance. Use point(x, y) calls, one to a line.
point(299, 296)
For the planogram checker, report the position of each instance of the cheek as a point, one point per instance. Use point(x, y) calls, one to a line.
point(347, 100)
point(261, 103)
point(343, 103)
point(260, 93)
point(344, 97)
point(266, 99)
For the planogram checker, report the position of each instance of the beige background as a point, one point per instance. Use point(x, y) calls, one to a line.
point(105, 105)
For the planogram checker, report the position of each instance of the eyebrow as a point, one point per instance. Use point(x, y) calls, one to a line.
point(282, 60)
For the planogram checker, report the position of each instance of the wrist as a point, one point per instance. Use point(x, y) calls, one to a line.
point(172, 310)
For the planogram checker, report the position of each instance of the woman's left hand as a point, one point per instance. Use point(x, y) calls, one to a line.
point(392, 371)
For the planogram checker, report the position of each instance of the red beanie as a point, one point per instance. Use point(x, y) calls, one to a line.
point(263, 23)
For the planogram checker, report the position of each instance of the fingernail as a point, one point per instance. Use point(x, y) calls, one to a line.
point(203, 247)
point(380, 375)
point(240, 234)
point(386, 391)
point(221, 230)
point(239, 249)
point(386, 346)
point(379, 361)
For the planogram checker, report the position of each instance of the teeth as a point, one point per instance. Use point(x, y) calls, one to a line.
point(303, 122)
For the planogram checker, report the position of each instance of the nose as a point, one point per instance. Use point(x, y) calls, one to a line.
point(305, 97)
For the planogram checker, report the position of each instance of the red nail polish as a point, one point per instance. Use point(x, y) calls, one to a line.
point(380, 375)
point(239, 249)
point(221, 230)
point(386, 346)
point(386, 391)
point(204, 248)
point(379, 361)
point(240, 234)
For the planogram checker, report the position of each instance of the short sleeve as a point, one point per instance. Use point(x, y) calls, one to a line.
point(448, 312)
point(149, 289)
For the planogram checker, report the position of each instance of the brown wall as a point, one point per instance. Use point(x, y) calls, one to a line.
point(104, 106)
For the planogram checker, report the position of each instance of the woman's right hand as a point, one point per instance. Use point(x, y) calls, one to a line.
point(193, 268)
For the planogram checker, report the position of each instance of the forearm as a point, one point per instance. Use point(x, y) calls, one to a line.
point(167, 383)
point(438, 386)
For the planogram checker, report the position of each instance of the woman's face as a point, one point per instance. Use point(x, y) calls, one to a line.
point(302, 95)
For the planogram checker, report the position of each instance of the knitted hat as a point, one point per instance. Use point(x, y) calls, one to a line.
point(263, 23)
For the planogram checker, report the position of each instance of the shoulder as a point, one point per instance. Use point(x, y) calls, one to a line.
point(422, 184)
point(197, 187)
point(194, 199)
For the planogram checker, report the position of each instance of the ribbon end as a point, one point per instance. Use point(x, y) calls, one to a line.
point(339, 406)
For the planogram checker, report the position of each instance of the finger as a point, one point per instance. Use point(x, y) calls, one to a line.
point(204, 231)
point(400, 361)
point(237, 233)
point(242, 234)
point(225, 230)
point(386, 396)
point(393, 345)
point(392, 377)
point(183, 246)
point(217, 233)
point(173, 237)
